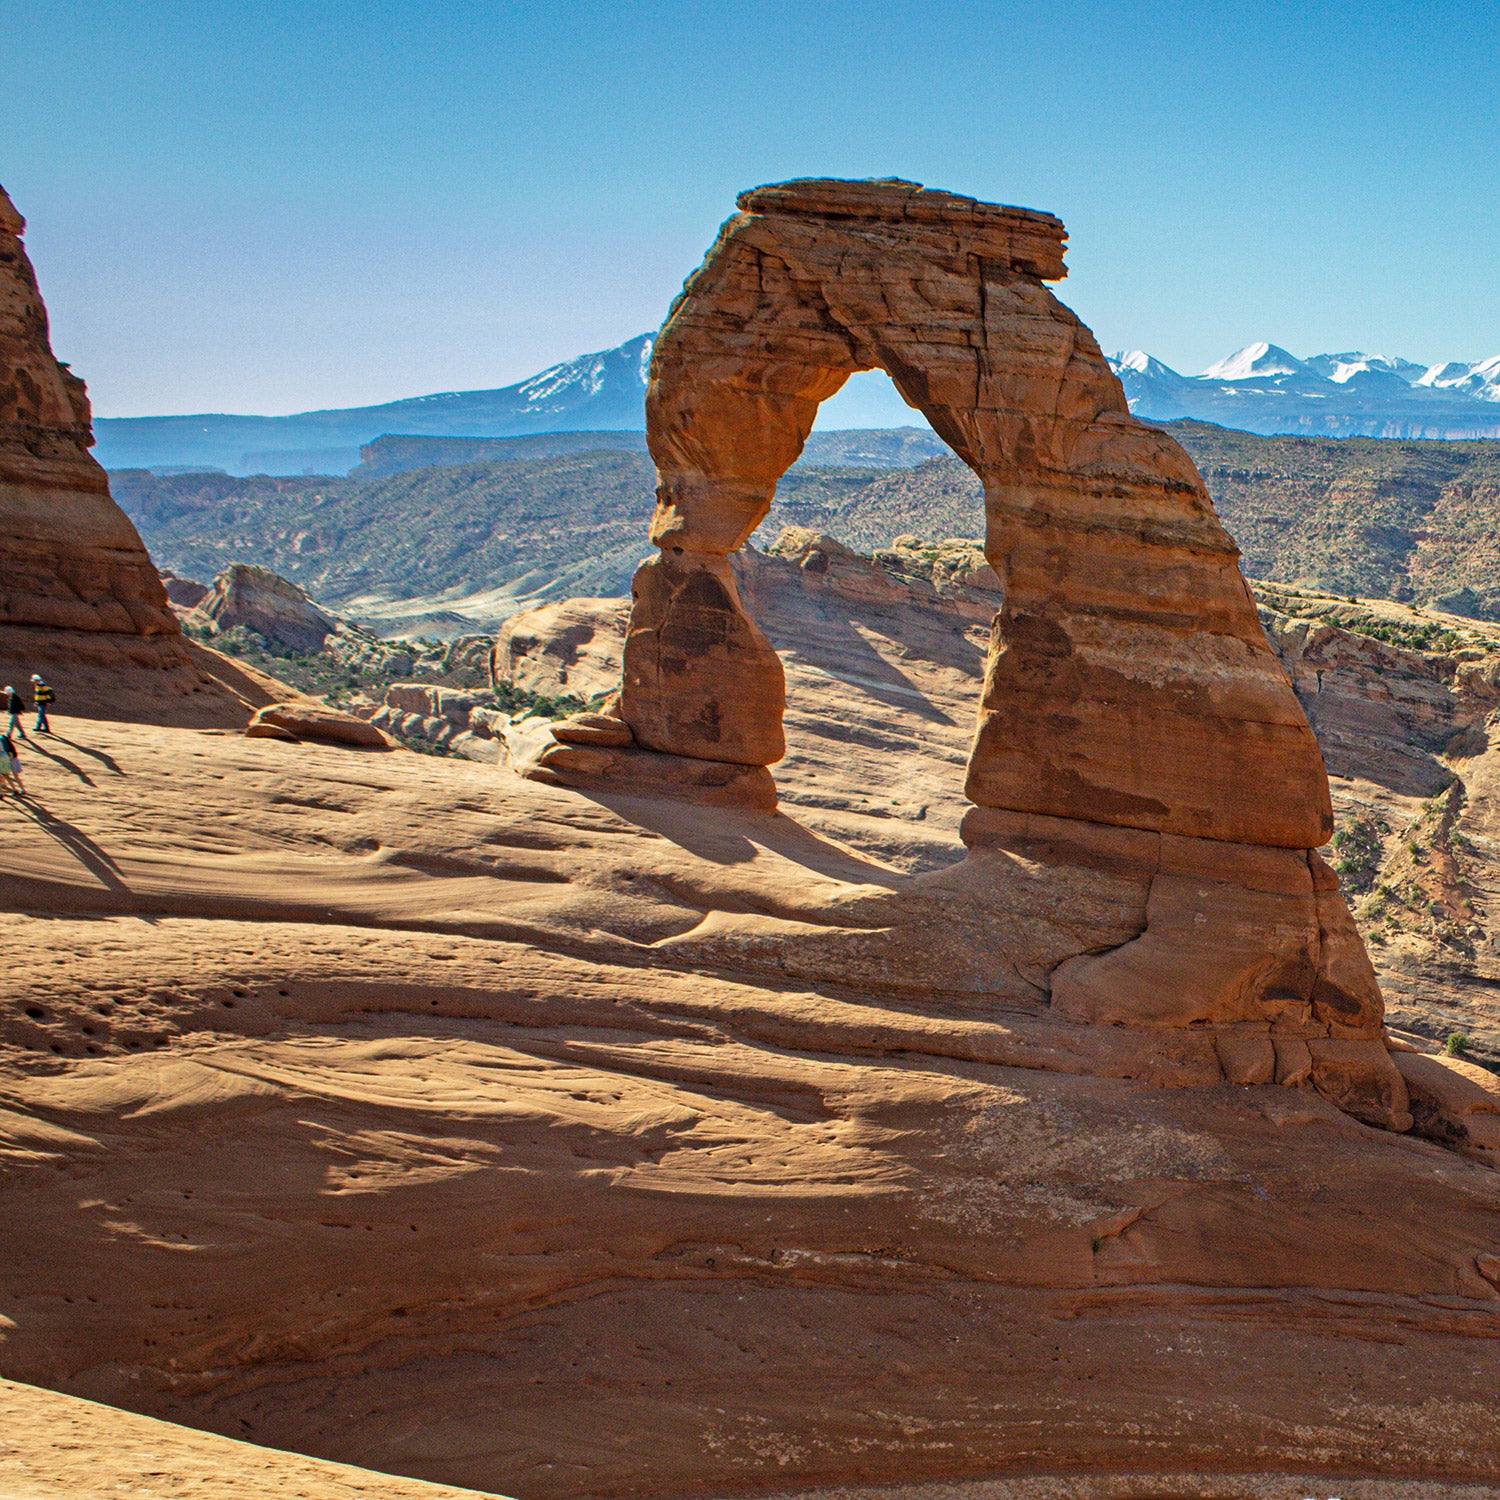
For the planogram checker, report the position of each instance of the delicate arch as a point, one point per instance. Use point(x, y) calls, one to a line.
point(1128, 680)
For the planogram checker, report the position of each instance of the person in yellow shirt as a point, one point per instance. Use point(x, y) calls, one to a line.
point(41, 695)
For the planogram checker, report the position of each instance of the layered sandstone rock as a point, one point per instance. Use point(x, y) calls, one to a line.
point(1129, 680)
point(309, 719)
point(79, 597)
point(71, 559)
point(1129, 686)
point(257, 599)
point(1117, 926)
point(571, 647)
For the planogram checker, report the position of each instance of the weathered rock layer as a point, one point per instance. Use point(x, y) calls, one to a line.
point(71, 558)
point(1129, 681)
point(79, 597)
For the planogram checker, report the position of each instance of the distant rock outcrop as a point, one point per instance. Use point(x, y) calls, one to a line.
point(184, 594)
point(265, 602)
point(308, 719)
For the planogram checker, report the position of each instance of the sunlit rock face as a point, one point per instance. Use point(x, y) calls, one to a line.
point(1129, 681)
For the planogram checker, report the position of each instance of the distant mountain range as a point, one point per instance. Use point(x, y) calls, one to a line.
point(599, 392)
point(1262, 388)
point(595, 393)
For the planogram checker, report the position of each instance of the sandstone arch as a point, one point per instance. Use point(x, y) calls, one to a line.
point(1128, 681)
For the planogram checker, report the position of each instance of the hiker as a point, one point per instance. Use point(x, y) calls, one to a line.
point(10, 768)
point(41, 695)
point(15, 706)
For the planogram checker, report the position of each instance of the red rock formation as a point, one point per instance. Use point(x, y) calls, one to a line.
point(79, 597)
point(1129, 680)
point(70, 556)
point(265, 602)
point(1130, 690)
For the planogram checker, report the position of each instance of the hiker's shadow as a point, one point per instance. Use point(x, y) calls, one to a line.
point(65, 763)
point(102, 756)
point(76, 842)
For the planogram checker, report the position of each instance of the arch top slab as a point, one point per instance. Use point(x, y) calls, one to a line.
point(1129, 681)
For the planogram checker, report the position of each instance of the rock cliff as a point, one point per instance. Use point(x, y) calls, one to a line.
point(258, 599)
point(72, 560)
point(79, 597)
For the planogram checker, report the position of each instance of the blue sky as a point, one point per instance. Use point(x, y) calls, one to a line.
point(272, 207)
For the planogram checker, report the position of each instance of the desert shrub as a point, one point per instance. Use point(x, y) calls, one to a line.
point(1358, 849)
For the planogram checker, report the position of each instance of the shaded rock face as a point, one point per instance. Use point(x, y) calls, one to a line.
point(70, 558)
point(79, 598)
point(1129, 681)
point(184, 594)
point(266, 603)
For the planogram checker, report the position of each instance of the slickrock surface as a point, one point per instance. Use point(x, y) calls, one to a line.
point(406, 1113)
point(1128, 680)
point(55, 1447)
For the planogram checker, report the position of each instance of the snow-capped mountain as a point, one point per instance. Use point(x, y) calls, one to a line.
point(1261, 388)
point(1481, 380)
point(1264, 388)
point(1255, 362)
point(603, 392)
